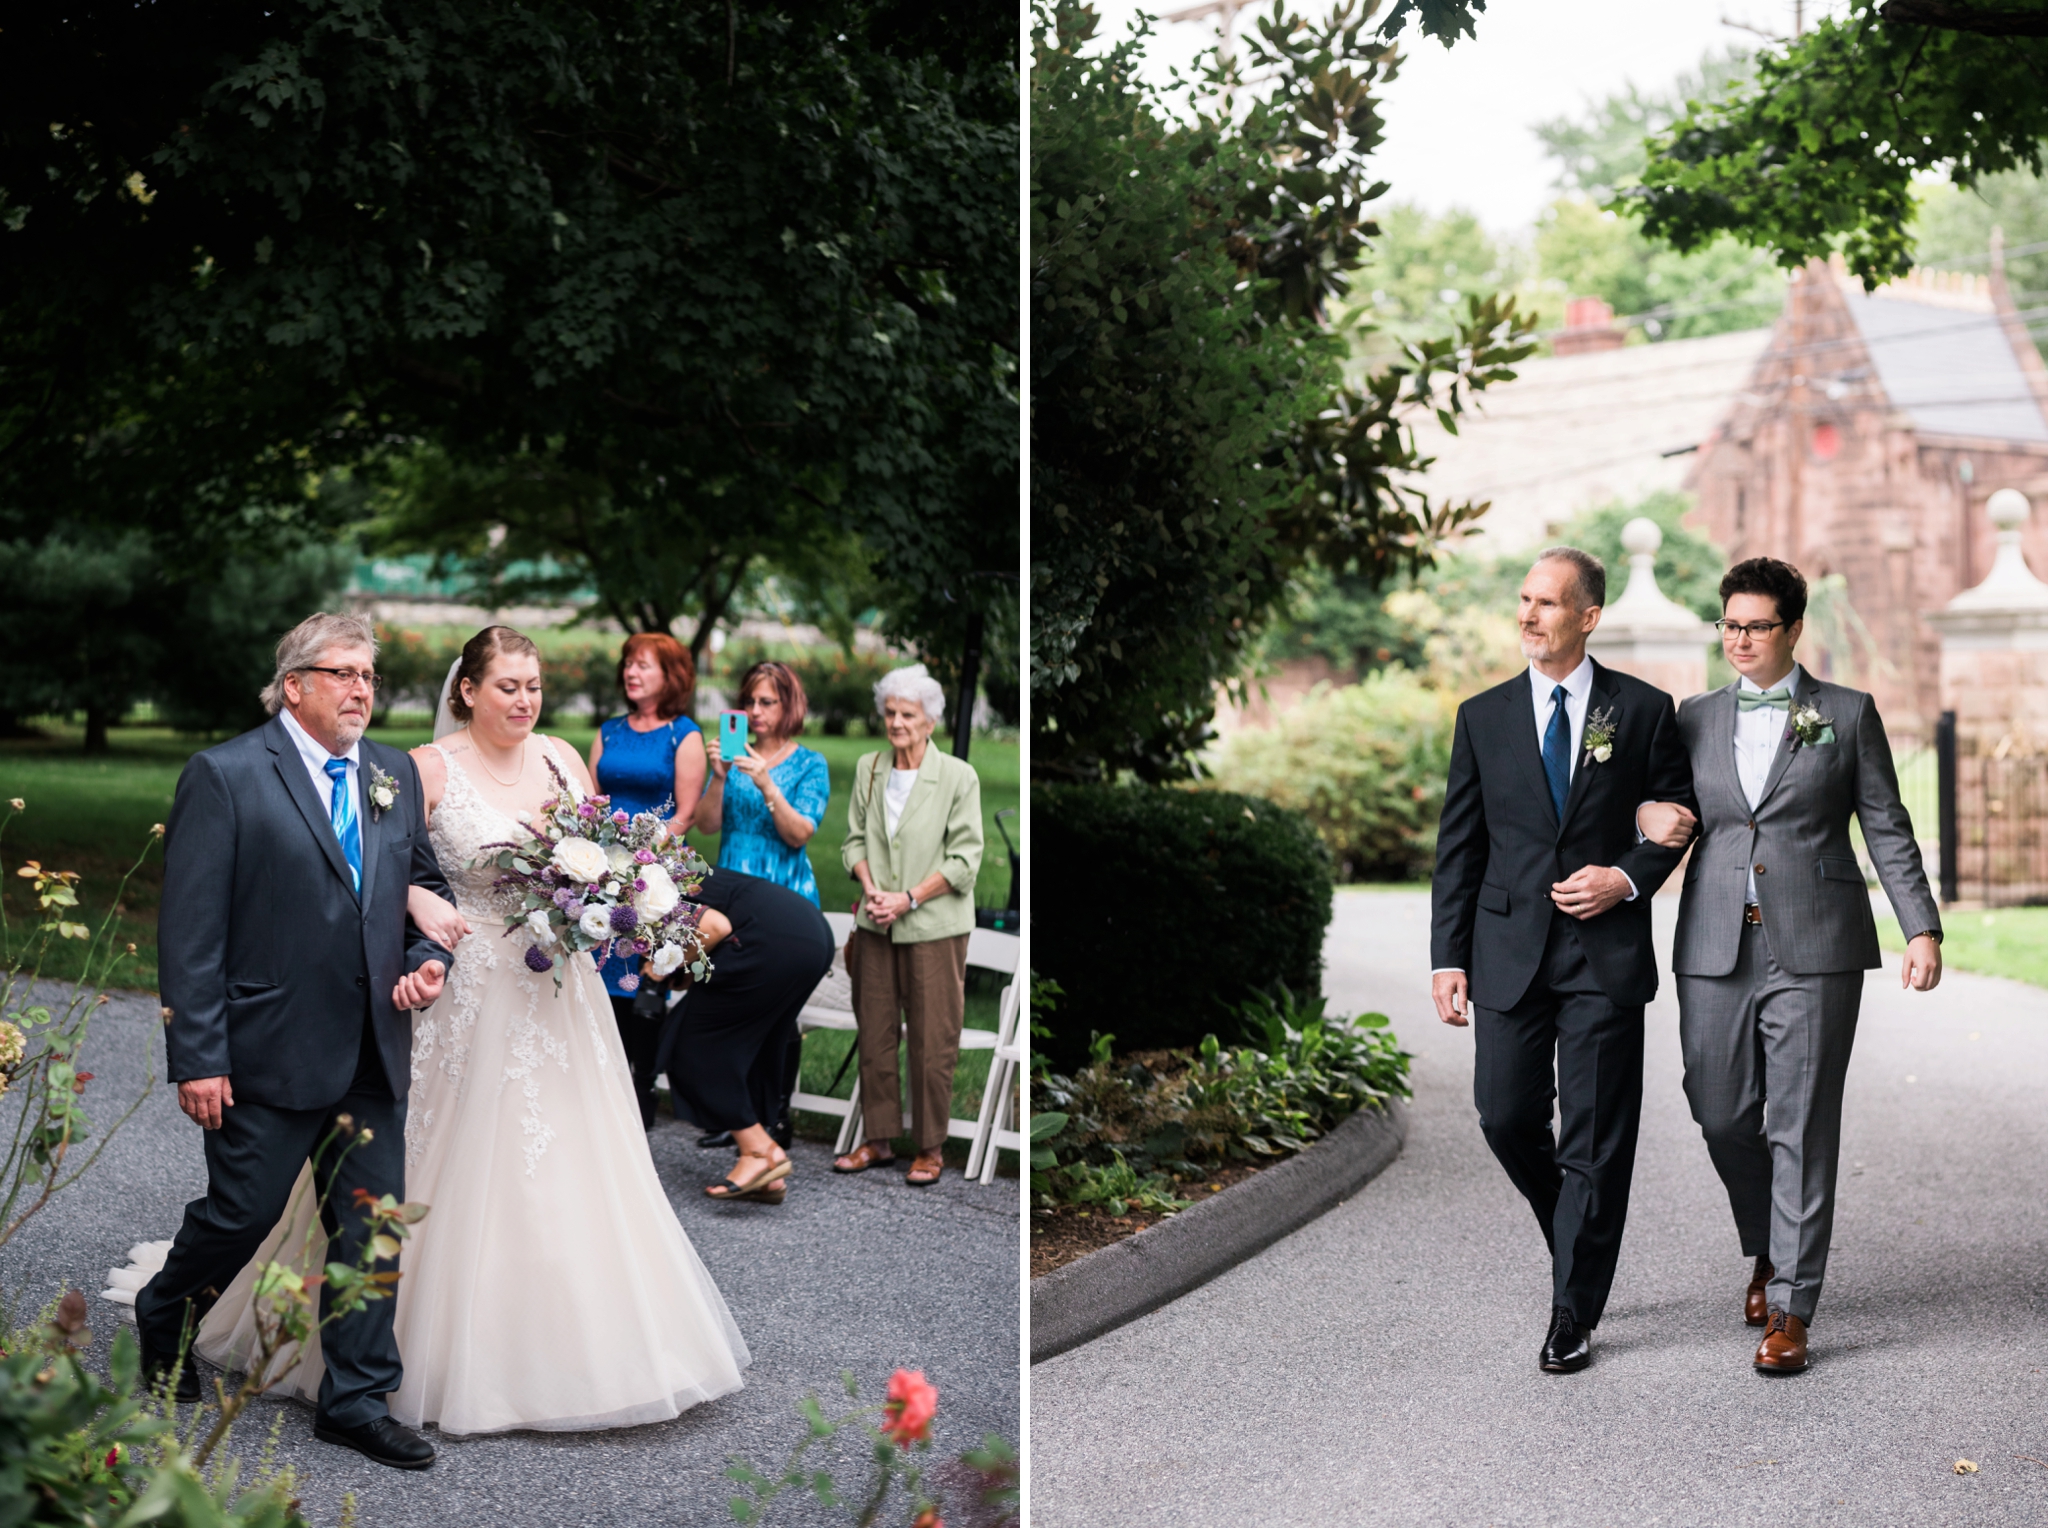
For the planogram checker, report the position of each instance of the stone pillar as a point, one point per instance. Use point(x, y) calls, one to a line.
point(1994, 676)
point(1647, 634)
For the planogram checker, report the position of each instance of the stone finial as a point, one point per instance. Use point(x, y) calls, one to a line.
point(2011, 584)
point(1646, 633)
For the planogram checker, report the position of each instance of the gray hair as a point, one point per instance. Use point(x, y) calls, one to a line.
point(916, 685)
point(302, 646)
point(1591, 571)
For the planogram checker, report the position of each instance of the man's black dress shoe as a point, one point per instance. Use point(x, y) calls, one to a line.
point(1569, 1347)
point(155, 1365)
point(717, 1140)
point(380, 1439)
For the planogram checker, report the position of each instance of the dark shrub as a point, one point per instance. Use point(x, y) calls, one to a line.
point(1161, 911)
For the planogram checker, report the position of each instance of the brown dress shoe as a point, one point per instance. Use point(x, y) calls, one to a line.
point(1754, 1310)
point(1783, 1350)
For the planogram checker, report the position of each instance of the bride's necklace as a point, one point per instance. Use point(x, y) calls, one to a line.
point(516, 778)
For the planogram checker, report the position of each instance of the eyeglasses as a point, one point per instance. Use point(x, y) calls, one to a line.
point(349, 677)
point(760, 702)
point(1737, 630)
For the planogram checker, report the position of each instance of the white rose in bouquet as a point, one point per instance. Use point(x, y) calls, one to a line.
point(537, 920)
point(660, 897)
point(621, 859)
point(580, 858)
point(596, 921)
point(666, 959)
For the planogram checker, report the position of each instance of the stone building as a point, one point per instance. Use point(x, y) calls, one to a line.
point(1868, 441)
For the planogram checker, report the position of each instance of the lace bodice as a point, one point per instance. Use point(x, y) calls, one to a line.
point(462, 825)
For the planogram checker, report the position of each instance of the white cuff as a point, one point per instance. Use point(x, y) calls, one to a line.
point(1448, 971)
point(1631, 885)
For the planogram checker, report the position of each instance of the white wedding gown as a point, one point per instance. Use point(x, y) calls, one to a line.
point(550, 1285)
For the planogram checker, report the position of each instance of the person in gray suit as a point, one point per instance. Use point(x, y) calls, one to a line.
point(1775, 932)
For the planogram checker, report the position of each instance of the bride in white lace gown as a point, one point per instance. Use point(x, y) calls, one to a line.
point(550, 1285)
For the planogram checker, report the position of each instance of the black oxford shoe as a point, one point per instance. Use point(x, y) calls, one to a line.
point(380, 1439)
point(1569, 1347)
point(156, 1365)
point(717, 1140)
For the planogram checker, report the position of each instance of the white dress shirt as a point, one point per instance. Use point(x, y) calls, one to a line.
point(315, 755)
point(1758, 736)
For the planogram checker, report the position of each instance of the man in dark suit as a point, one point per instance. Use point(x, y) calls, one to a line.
point(1541, 923)
point(288, 969)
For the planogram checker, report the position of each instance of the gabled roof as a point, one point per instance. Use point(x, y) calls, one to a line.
point(1945, 355)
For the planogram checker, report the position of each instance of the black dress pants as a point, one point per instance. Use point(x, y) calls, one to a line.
point(1565, 1043)
point(252, 1162)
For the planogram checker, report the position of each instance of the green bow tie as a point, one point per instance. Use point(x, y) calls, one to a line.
point(1749, 700)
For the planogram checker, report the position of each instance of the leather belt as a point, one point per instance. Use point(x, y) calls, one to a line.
point(1751, 913)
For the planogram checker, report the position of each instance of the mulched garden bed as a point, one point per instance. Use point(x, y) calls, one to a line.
point(1060, 1236)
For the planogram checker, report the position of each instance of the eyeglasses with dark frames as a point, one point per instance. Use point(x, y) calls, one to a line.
point(349, 678)
point(1737, 630)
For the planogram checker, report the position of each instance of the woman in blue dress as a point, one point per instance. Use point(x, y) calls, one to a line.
point(765, 805)
point(649, 760)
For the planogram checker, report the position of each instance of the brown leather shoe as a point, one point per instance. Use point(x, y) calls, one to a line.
point(1754, 1309)
point(862, 1157)
point(1783, 1350)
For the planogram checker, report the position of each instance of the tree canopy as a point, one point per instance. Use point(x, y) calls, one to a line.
point(1193, 439)
point(670, 275)
point(1821, 151)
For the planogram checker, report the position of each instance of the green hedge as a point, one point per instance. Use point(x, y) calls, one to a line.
point(1365, 763)
point(1161, 911)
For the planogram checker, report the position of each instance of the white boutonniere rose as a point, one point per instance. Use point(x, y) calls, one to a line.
point(581, 860)
point(1810, 727)
point(383, 793)
point(1599, 739)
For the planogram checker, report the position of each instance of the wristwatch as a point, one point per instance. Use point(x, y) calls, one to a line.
point(913, 900)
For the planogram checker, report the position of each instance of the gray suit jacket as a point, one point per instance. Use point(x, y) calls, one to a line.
point(1816, 909)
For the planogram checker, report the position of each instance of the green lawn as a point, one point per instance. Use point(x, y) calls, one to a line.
point(2007, 941)
point(93, 815)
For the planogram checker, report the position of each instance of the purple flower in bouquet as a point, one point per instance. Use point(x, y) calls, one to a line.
point(640, 946)
point(538, 962)
point(643, 856)
point(629, 983)
point(624, 919)
point(586, 810)
point(565, 898)
point(620, 819)
point(640, 884)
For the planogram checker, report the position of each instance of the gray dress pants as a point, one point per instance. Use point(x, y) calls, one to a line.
point(1766, 1055)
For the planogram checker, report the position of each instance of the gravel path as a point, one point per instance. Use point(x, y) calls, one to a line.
point(850, 1273)
point(1379, 1366)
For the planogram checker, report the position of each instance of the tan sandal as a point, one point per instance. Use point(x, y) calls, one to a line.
point(925, 1169)
point(772, 1174)
point(862, 1157)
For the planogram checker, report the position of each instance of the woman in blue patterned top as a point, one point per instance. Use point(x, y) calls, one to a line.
point(649, 760)
point(765, 805)
point(768, 803)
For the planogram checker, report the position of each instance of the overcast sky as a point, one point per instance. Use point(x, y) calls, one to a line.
point(1458, 119)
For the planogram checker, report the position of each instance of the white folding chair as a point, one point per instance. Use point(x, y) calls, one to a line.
point(827, 1015)
point(992, 950)
point(990, 1134)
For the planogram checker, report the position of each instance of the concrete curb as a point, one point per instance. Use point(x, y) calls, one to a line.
point(1131, 1278)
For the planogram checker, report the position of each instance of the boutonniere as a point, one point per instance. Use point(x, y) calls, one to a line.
point(383, 793)
point(1810, 727)
point(1599, 739)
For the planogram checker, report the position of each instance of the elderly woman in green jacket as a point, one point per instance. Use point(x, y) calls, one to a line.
point(913, 841)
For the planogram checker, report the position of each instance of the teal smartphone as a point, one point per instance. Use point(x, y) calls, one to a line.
point(732, 735)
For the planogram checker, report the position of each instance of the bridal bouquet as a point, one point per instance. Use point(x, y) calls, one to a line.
point(591, 878)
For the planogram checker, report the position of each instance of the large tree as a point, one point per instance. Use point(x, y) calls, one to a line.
point(1823, 149)
point(691, 266)
point(1193, 439)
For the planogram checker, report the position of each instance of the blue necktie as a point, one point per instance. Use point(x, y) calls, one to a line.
point(341, 812)
point(1557, 752)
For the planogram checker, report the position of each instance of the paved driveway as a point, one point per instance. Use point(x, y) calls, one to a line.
point(850, 1273)
point(1379, 1366)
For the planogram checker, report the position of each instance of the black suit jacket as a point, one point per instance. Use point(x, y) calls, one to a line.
point(1500, 846)
point(269, 960)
